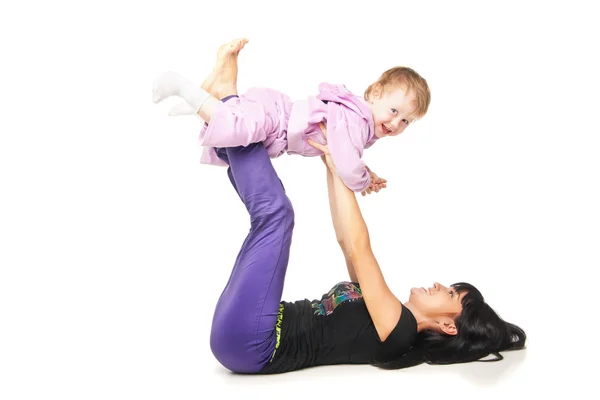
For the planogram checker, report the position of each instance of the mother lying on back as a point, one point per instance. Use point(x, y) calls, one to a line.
point(359, 321)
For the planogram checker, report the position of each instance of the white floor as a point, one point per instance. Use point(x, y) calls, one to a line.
point(116, 242)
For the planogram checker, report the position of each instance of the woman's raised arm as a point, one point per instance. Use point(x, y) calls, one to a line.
point(383, 306)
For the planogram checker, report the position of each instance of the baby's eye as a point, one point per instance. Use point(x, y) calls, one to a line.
point(405, 121)
point(394, 111)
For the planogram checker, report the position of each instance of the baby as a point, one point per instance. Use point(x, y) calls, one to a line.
point(397, 99)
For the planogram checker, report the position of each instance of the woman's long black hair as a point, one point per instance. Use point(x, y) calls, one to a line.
point(480, 333)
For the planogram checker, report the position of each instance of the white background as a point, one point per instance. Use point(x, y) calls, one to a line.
point(115, 243)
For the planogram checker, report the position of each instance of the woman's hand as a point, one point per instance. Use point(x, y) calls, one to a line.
point(376, 184)
point(326, 157)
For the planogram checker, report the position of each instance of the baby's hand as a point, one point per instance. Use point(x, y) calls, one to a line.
point(376, 184)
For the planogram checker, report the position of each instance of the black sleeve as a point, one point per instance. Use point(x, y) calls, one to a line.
point(401, 338)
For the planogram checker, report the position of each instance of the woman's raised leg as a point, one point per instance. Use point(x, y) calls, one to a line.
point(243, 334)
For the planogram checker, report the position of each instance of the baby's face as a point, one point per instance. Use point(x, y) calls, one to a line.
point(393, 110)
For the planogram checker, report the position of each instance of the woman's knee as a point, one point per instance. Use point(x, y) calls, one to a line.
point(285, 209)
point(275, 211)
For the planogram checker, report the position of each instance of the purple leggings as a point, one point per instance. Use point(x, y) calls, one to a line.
point(243, 334)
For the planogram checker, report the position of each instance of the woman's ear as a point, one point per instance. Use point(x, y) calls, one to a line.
point(447, 326)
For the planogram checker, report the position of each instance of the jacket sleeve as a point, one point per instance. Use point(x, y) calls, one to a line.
point(346, 152)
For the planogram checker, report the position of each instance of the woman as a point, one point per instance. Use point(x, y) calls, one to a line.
point(357, 322)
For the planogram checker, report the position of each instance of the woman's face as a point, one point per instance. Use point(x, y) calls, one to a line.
point(436, 301)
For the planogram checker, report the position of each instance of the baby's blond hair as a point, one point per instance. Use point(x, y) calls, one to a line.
point(409, 79)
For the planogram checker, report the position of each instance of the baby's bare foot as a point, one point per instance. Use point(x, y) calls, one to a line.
point(222, 81)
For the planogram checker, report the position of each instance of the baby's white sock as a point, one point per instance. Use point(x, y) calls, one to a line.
point(172, 84)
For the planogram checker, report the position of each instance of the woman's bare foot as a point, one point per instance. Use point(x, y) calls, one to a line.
point(222, 81)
